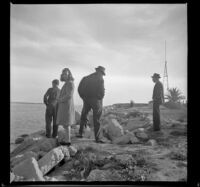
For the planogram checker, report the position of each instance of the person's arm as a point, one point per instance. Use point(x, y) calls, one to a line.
point(69, 93)
point(101, 89)
point(45, 98)
point(159, 93)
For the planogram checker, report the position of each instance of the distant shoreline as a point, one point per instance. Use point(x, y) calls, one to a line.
point(116, 104)
point(24, 102)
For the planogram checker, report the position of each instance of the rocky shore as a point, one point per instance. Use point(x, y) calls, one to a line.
point(132, 152)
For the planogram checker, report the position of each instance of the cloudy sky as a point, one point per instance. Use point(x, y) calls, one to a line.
point(127, 39)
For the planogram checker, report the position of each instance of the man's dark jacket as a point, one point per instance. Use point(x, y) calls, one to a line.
point(92, 86)
point(158, 93)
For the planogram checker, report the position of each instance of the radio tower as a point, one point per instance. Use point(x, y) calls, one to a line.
point(165, 76)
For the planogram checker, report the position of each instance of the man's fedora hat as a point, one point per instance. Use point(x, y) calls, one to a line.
point(101, 68)
point(156, 75)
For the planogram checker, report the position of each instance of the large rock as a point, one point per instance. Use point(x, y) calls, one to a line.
point(134, 124)
point(113, 129)
point(26, 144)
point(19, 158)
point(72, 150)
point(126, 139)
point(19, 140)
point(51, 159)
point(45, 145)
point(29, 170)
point(141, 135)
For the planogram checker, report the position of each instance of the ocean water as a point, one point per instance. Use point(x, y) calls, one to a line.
point(26, 118)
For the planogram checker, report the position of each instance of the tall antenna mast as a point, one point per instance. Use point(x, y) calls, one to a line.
point(165, 76)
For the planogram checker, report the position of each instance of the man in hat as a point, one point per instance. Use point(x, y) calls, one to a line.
point(158, 99)
point(91, 90)
point(50, 100)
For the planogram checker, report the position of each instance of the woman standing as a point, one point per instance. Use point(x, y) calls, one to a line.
point(66, 111)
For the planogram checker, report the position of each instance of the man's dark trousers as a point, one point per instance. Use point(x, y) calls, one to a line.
point(50, 115)
point(96, 106)
point(156, 116)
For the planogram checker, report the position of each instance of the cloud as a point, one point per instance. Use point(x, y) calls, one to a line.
point(127, 39)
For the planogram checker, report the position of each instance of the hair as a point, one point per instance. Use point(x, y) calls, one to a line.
point(55, 81)
point(70, 77)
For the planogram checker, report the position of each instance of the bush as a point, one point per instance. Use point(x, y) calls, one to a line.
point(172, 105)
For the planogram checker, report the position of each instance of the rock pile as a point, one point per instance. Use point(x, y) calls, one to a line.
point(36, 156)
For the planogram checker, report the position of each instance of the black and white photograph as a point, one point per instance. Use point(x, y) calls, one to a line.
point(98, 92)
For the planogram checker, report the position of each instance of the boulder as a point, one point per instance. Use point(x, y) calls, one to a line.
point(134, 114)
point(24, 135)
point(66, 151)
point(127, 138)
point(141, 135)
point(113, 129)
point(19, 158)
point(19, 140)
point(29, 170)
point(47, 144)
point(26, 144)
point(72, 150)
point(51, 159)
point(41, 154)
point(134, 124)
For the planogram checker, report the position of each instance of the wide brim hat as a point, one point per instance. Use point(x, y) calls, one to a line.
point(101, 68)
point(156, 75)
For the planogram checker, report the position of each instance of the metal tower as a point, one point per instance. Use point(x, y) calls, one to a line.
point(165, 76)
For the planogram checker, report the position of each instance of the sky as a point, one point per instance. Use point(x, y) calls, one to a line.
point(127, 39)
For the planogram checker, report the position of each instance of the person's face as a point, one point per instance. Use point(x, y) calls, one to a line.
point(154, 79)
point(64, 76)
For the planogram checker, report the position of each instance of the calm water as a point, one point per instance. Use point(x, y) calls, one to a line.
point(27, 118)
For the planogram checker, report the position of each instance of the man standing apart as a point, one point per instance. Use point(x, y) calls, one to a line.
point(158, 99)
point(50, 100)
point(66, 110)
point(91, 90)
